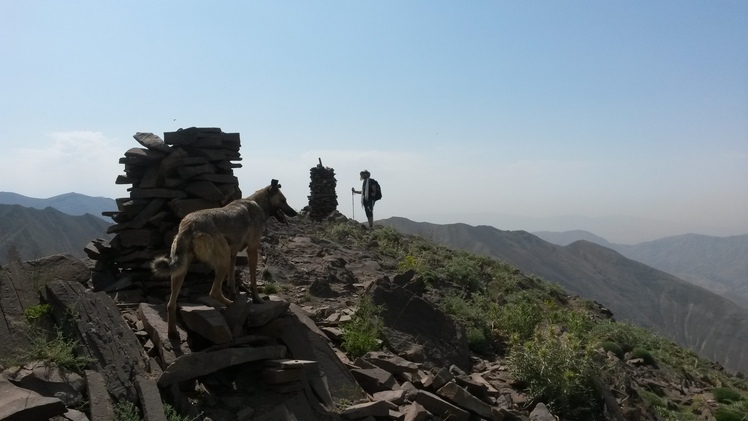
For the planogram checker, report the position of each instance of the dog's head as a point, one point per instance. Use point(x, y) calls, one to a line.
point(279, 208)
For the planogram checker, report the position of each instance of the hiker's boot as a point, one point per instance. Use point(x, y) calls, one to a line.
point(371, 222)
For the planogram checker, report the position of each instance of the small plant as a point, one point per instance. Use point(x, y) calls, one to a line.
point(478, 341)
point(612, 347)
point(408, 263)
point(37, 311)
point(172, 414)
point(361, 334)
point(270, 289)
point(644, 355)
point(727, 414)
point(267, 276)
point(126, 411)
point(519, 320)
point(726, 395)
point(58, 350)
point(652, 399)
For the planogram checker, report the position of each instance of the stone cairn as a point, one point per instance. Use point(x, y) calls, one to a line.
point(189, 170)
point(322, 200)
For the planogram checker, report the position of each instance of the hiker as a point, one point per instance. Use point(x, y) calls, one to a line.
point(370, 193)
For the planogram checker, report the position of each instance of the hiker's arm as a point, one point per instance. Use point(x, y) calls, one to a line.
point(353, 190)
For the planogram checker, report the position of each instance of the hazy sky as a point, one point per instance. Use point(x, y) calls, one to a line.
point(464, 111)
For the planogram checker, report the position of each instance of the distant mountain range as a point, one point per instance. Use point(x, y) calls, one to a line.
point(719, 264)
point(694, 317)
point(69, 203)
point(27, 233)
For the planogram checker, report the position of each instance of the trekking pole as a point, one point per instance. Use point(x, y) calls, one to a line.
point(353, 206)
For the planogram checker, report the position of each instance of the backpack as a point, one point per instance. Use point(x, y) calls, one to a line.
point(372, 195)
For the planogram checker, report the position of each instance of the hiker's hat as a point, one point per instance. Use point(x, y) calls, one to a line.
point(365, 173)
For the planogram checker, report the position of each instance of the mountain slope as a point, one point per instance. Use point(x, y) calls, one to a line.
point(34, 233)
point(719, 264)
point(713, 326)
point(567, 237)
point(69, 203)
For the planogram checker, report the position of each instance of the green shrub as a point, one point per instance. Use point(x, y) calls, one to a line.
point(612, 347)
point(644, 355)
point(726, 414)
point(361, 334)
point(556, 371)
point(270, 289)
point(55, 349)
point(519, 320)
point(652, 398)
point(126, 411)
point(35, 312)
point(726, 395)
point(478, 340)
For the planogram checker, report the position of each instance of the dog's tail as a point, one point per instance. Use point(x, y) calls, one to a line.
point(178, 261)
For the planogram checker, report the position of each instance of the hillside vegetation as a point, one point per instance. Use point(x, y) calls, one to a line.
point(558, 347)
point(692, 316)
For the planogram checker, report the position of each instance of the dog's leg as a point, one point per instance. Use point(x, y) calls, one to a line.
point(218, 255)
point(252, 255)
point(171, 318)
point(216, 291)
point(232, 277)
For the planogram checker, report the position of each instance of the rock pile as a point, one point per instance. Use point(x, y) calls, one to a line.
point(322, 198)
point(188, 170)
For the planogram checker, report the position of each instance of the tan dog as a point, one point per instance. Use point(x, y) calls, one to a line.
point(215, 236)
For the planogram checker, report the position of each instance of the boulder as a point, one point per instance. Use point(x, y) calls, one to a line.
point(206, 322)
point(96, 322)
point(409, 319)
point(19, 404)
point(462, 398)
point(48, 380)
point(441, 408)
point(305, 341)
point(374, 379)
point(199, 364)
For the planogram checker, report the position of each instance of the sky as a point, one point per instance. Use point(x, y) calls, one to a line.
point(629, 117)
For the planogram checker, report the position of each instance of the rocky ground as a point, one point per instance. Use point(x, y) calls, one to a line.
point(282, 360)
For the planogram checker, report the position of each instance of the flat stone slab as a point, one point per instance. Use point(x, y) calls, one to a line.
point(462, 398)
point(306, 341)
point(206, 322)
point(440, 407)
point(201, 363)
point(17, 403)
point(263, 313)
point(154, 322)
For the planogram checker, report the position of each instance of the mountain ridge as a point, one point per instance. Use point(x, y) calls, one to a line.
point(690, 315)
point(70, 203)
point(29, 233)
point(718, 264)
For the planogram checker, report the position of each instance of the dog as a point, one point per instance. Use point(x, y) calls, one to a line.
point(215, 236)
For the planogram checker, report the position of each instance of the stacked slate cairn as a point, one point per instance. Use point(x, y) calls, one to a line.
point(322, 199)
point(190, 169)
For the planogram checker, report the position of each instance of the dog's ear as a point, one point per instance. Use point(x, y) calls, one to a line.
point(274, 185)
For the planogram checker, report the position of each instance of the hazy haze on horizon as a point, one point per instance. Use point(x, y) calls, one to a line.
point(465, 112)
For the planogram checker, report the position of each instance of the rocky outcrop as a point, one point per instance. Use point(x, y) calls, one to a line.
point(20, 286)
